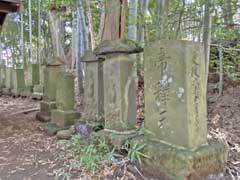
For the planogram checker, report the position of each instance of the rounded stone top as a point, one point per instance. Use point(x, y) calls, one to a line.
point(89, 56)
point(124, 46)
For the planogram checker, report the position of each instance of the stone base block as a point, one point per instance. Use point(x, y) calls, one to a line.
point(117, 139)
point(43, 117)
point(45, 111)
point(37, 92)
point(37, 96)
point(47, 106)
point(6, 91)
point(185, 164)
point(27, 91)
point(63, 118)
point(18, 91)
point(50, 128)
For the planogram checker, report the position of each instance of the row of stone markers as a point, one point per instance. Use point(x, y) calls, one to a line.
point(21, 82)
point(175, 104)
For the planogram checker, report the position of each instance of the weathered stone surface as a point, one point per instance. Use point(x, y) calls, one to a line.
point(63, 118)
point(47, 106)
point(18, 81)
point(32, 74)
point(65, 134)
point(175, 100)
point(50, 128)
point(37, 91)
point(183, 163)
point(64, 115)
point(93, 90)
point(9, 78)
point(119, 92)
point(65, 92)
point(52, 73)
point(2, 76)
point(39, 88)
point(27, 91)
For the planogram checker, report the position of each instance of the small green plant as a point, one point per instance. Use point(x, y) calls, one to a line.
point(135, 152)
point(89, 152)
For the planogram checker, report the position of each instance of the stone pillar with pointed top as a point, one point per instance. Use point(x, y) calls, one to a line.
point(64, 115)
point(52, 73)
point(93, 90)
point(175, 111)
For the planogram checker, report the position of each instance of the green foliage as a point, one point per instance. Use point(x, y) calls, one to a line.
point(90, 153)
point(135, 151)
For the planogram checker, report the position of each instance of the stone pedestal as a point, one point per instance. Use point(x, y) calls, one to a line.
point(52, 73)
point(18, 82)
point(93, 91)
point(64, 114)
point(175, 109)
point(8, 81)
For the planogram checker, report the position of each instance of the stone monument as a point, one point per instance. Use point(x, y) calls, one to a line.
point(52, 73)
point(18, 81)
point(175, 111)
point(8, 81)
point(119, 75)
point(64, 115)
point(93, 91)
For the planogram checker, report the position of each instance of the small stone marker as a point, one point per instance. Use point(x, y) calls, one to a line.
point(175, 112)
point(64, 114)
point(18, 81)
point(93, 90)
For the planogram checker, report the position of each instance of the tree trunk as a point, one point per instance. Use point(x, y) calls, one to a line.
point(132, 20)
point(30, 31)
point(90, 24)
point(113, 20)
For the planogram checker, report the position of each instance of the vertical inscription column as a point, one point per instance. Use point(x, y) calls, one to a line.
point(175, 104)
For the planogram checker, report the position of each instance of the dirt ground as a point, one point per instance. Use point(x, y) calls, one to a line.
point(27, 153)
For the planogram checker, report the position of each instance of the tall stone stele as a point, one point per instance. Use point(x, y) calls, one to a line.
point(52, 73)
point(18, 81)
point(175, 111)
point(8, 81)
point(2, 76)
point(93, 90)
point(32, 75)
point(39, 88)
point(64, 115)
point(119, 79)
